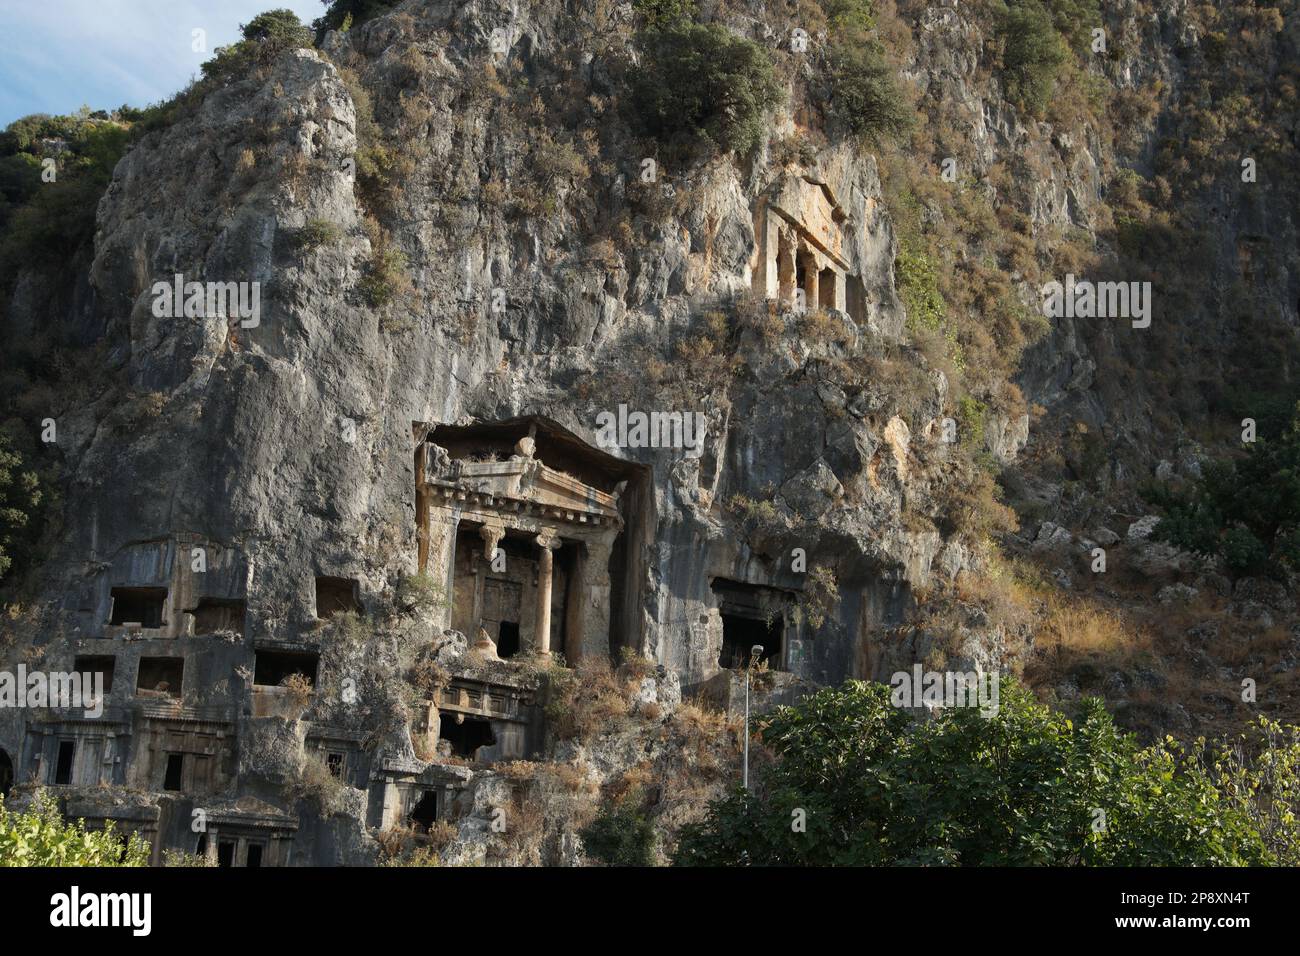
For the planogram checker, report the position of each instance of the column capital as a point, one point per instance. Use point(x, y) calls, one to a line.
point(491, 535)
point(547, 540)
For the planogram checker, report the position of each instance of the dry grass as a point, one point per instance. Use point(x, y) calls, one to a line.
point(1075, 627)
point(587, 701)
point(1084, 640)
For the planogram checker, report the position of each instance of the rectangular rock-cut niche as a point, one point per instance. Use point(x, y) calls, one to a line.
point(218, 615)
point(460, 735)
point(103, 664)
point(336, 596)
point(752, 616)
point(65, 760)
point(273, 668)
point(188, 771)
point(424, 812)
point(160, 677)
point(174, 772)
point(140, 606)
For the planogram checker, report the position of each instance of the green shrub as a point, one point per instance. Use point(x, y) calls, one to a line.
point(971, 414)
point(863, 94)
point(279, 29)
point(39, 837)
point(419, 591)
point(621, 835)
point(1020, 787)
point(342, 14)
point(318, 232)
point(1246, 511)
point(20, 500)
point(1075, 19)
point(849, 15)
point(373, 158)
point(820, 600)
point(918, 284)
point(386, 277)
point(40, 222)
point(1032, 54)
point(699, 87)
point(266, 36)
point(665, 11)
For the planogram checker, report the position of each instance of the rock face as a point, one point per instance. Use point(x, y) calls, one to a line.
point(472, 319)
point(275, 487)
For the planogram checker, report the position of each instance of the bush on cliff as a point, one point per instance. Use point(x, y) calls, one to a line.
point(1246, 511)
point(1032, 54)
point(20, 501)
point(701, 87)
point(863, 93)
point(342, 14)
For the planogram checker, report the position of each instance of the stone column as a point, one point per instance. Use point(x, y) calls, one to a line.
point(812, 299)
point(547, 542)
point(491, 535)
point(767, 282)
point(785, 270)
point(391, 815)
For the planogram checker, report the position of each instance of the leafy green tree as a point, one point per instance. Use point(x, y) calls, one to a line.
point(45, 221)
point(863, 92)
point(266, 36)
point(1075, 19)
point(1032, 54)
point(39, 836)
point(857, 781)
point(701, 86)
point(849, 15)
point(280, 28)
point(1246, 511)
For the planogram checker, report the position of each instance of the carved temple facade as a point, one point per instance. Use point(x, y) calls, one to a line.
point(522, 549)
point(799, 226)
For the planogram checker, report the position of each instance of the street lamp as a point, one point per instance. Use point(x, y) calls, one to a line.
point(754, 653)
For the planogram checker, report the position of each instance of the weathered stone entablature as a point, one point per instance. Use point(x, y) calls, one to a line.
point(485, 698)
point(524, 514)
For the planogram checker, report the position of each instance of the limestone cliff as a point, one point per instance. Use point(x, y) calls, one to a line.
point(469, 260)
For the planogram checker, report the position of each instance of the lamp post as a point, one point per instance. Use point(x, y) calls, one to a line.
point(754, 653)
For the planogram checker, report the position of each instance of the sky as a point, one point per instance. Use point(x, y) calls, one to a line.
point(56, 55)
